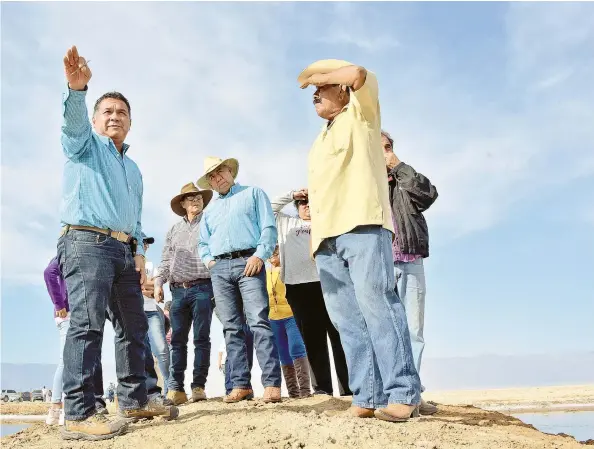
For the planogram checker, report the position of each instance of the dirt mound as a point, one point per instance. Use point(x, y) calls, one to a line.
point(303, 424)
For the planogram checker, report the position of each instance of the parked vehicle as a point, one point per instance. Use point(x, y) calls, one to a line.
point(25, 396)
point(10, 395)
point(36, 395)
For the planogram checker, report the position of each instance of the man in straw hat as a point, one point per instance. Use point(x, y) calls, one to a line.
point(237, 234)
point(351, 232)
point(191, 290)
point(102, 259)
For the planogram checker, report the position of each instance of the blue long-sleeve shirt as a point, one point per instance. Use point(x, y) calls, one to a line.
point(241, 219)
point(101, 187)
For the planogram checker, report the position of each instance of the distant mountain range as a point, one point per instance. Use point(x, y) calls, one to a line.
point(456, 373)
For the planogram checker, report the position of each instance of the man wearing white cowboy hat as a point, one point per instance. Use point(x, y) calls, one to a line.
point(237, 233)
point(191, 290)
point(352, 245)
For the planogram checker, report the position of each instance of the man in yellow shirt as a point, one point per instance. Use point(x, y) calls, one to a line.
point(351, 232)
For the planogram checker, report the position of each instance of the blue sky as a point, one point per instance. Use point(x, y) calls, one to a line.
point(491, 101)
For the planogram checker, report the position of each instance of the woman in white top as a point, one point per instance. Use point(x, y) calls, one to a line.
point(304, 294)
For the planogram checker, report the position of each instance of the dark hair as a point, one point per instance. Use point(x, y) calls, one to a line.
point(296, 203)
point(115, 96)
point(389, 137)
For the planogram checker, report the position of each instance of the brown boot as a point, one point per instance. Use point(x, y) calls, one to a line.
point(272, 394)
point(177, 397)
point(154, 407)
point(239, 394)
point(198, 394)
point(291, 380)
point(397, 412)
point(94, 428)
point(353, 412)
point(302, 369)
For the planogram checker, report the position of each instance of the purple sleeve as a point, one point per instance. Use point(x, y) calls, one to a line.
point(55, 285)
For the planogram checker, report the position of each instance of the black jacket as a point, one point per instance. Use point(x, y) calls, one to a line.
point(410, 195)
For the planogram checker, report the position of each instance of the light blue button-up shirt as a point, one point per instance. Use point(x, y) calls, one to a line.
point(241, 219)
point(101, 187)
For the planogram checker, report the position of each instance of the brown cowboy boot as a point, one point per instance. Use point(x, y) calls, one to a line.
point(198, 394)
point(397, 412)
point(302, 369)
point(239, 394)
point(93, 428)
point(291, 380)
point(272, 394)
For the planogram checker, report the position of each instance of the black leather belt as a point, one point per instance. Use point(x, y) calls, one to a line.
point(188, 284)
point(236, 254)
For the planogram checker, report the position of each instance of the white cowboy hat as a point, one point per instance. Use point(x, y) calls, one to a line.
point(211, 163)
point(189, 189)
point(321, 66)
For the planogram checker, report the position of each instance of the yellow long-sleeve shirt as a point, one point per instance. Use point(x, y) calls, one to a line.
point(279, 307)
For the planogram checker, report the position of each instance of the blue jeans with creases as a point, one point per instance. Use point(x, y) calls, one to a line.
point(289, 341)
point(358, 284)
point(235, 293)
point(410, 281)
point(100, 277)
point(190, 307)
point(249, 346)
point(158, 345)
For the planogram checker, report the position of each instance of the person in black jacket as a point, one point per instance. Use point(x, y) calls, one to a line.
point(411, 194)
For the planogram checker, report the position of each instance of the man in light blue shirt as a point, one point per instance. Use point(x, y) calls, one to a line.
point(103, 272)
point(237, 233)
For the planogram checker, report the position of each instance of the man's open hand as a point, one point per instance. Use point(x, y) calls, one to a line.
point(76, 70)
point(253, 266)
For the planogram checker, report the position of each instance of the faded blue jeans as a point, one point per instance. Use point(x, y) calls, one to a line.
point(190, 307)
point(289, 341)
point(233, 294)
point(410, 279)
point(249, 345)
point(100, 277)
point(158, 344)
point(358, 284)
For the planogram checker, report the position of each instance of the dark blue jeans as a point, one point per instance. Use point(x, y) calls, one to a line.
point(190, 306)
point(288, 340)
point(101, 277)
point(249, 345)
point(235, 293)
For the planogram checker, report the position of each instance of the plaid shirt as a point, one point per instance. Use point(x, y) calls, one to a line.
point(180, 261)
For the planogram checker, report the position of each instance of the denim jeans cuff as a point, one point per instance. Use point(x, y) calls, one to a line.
point(78, 417)
point(368, 404)
point(408, 400)
point(243, 387)
point(273, 385)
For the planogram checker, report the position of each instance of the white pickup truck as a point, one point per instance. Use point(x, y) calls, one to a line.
point(10, 395)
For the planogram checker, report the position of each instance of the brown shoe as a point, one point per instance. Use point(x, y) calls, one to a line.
point(198, 394)
point(94, 428)
point(272, 394)
point(302, 370)
point(397, 412)
point(239, 394)
point(353, 412)
point(427, 408)
point(177, 397)
point(154, 407)
point(291, 380)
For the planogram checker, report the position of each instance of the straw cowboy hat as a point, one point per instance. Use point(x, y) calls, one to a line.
point(321, 66)
point(211, 163)
point(189, 189)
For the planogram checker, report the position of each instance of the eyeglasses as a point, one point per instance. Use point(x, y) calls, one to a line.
point(302, 203)
point(195, 199)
